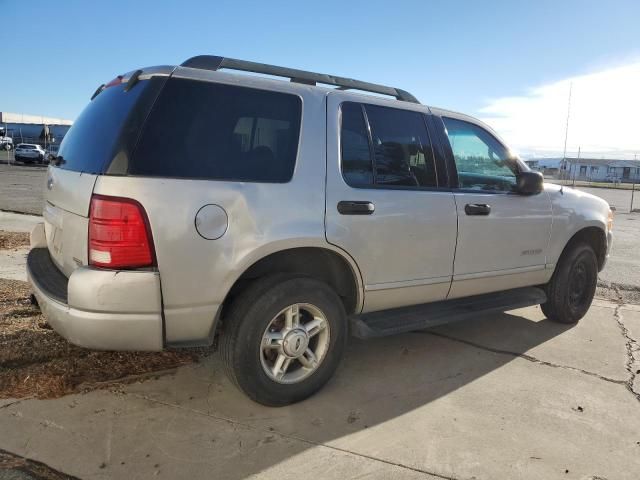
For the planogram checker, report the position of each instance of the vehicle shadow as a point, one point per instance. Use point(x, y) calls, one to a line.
point(380, 380)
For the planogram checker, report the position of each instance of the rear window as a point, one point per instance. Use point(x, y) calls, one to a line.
point(97, 134)
point(211, 131)
point(398, 154)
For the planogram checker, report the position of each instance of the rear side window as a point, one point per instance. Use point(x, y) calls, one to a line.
point(398, 153)
point(402, 149)
point(206, 130)
point(357, 168)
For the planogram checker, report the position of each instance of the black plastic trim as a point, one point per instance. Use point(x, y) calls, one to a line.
point(419, 317)
point(46, 276)
point(213, 62)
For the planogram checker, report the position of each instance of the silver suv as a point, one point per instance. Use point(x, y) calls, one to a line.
point(186, 202)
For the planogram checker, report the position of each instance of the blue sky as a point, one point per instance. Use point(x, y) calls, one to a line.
point(463, 55)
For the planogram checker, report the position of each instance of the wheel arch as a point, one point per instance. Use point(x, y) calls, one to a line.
point(595, 237)
point(324, 263)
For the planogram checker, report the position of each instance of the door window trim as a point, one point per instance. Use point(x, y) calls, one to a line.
point(440, 187)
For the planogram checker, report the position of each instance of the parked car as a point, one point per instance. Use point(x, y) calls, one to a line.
point(284, 216)
point(29, 153)
point(6, 143)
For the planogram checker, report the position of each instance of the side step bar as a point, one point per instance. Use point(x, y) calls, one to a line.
point(419, 317)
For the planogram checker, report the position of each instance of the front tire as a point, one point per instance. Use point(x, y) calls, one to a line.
point(573, 285)
point(283, 338)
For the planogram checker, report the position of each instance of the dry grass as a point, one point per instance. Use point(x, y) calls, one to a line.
point(37, 362)
point(9, 240)
point(27, 468)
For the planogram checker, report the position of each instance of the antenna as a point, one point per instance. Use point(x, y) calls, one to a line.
point(566, 130)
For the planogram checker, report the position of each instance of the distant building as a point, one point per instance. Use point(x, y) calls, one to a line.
point(33, 128)
point(589, 169)
point(548, 166)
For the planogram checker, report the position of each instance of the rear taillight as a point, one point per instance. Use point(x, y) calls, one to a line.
point(119, 234)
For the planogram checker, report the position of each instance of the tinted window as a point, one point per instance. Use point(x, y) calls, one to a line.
point(357, 168)
point(403, 154)
point(207, 130)
point(482, 162)
point(92, 141)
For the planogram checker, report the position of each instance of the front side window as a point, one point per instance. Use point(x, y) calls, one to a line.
point(482, 162)
point(398, 153)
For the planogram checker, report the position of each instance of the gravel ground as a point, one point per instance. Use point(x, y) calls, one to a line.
point(37, 362)
point(13, 240)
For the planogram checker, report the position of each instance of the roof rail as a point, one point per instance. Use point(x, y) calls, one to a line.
point(211, 62)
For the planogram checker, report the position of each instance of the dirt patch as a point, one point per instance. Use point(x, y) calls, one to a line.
point(37, 362)
point(10, 240)
point(23, 468)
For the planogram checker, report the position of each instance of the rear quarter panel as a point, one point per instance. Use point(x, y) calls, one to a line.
point(196, 274)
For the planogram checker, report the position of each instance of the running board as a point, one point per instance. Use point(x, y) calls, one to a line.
point(419, 317)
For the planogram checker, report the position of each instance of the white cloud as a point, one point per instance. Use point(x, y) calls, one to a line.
point(604, 119)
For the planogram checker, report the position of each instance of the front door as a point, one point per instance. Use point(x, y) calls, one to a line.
point(503, 237)
point(383, 204)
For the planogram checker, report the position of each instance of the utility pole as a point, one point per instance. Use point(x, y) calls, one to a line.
point(566, 131)
point(633, 186)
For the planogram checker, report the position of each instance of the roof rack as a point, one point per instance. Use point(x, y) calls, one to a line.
point(212, 62)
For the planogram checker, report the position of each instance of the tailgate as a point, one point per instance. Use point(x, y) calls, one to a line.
point(66, 212)
point(106, 129)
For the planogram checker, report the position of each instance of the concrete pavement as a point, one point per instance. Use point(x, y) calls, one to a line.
point(509, 396)
point(22, 187)
point(12, 262)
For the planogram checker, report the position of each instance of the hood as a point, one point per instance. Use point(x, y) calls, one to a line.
point(570, 195)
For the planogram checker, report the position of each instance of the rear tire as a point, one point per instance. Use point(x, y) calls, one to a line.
point(572, 286)
point(308, 353)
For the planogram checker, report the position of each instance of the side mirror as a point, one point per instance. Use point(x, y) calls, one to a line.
point(529, 183)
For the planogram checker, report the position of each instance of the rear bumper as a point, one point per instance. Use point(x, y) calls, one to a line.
point(99, 309)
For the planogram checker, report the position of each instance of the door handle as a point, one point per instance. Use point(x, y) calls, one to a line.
point(350, 207)
point(477, 209)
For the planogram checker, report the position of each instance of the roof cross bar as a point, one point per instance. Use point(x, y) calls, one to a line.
point(211, 62)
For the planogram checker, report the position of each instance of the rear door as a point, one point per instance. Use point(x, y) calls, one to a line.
point(384, 205)
point(104, 132)
point(503, 237)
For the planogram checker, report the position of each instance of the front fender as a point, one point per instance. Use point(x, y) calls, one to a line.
point(573, 211)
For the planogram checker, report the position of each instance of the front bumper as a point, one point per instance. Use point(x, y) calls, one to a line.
point(99, 309)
